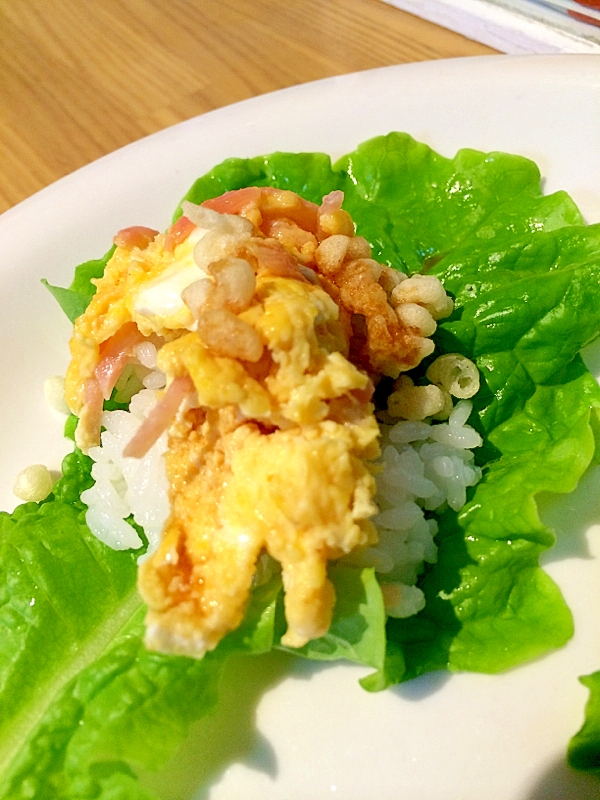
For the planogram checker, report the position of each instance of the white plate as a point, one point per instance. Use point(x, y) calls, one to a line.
point(300, 730)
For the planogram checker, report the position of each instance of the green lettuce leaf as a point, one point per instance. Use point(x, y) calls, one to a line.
point(489, 605)
point(357, 630)
point(414, 205)
point(82, 703)
point(308, 174)
point(128, 708)
point(76, 298)
point(524, 272)
point(584, 748)
point(83, 706)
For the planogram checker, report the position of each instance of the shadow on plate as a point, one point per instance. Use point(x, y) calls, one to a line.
point(423, 686)
point(570, 517)
point(559, 782)
point(227, 736)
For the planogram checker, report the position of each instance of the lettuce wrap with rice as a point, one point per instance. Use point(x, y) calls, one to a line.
point(85, 709)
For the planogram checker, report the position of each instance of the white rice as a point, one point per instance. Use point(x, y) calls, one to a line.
point(127, 487)
point(424, 468)
point(146, 353)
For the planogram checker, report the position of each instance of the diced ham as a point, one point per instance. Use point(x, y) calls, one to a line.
point(272, 203)
point(331, 202)
point(177, 233)
point(289, 233)
point(281, 203)
point(235, 201)
point(332, 219)
point(159, 419)
point(136, 236)
point(275, 260)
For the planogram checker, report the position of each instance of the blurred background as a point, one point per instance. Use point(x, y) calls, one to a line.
point(81, 79)
point(78, 80)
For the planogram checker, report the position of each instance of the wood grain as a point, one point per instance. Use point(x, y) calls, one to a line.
point(80, 79)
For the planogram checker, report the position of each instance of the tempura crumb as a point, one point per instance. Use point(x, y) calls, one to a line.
point(455, 374)
point(33, 484)
point(54, 392)
point(414, 402)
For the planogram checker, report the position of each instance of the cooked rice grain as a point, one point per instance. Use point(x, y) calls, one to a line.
point(425, 467)
point(127, 487)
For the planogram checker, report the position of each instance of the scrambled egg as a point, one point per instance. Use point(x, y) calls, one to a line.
point(304, 495)
point(271, 428)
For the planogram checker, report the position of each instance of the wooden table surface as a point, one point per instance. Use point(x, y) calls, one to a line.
point(80, 79)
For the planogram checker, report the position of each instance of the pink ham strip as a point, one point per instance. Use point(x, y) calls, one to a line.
point(159, 419)
point(331, 202)
point(115, 353)
point(177, 233)
point(235, 201)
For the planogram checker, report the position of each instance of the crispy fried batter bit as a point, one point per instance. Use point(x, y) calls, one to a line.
point(272, 323)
